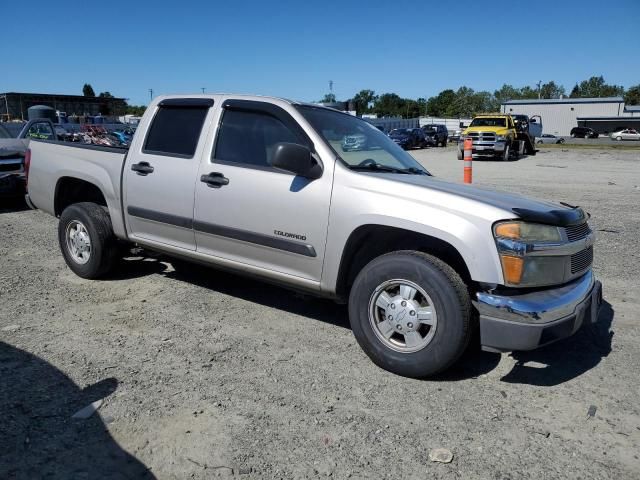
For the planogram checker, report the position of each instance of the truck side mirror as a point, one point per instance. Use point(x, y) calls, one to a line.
point(296, 159)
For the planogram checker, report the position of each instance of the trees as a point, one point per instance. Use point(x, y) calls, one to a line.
point(87, 90)
point(328, 98)
point(596, 87)
point(632, 97)
point(105, 95)
point(364, 100)
point(551, 90)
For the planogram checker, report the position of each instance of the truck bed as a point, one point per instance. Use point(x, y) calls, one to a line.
point(53, 162)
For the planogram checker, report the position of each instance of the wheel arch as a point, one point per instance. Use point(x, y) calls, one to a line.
point(372, 240)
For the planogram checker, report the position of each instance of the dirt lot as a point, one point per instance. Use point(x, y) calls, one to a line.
point(206, 374)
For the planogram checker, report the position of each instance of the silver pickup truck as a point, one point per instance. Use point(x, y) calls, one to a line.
point(264, 187)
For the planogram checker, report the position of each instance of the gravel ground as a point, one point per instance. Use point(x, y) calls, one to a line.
point(206, 374)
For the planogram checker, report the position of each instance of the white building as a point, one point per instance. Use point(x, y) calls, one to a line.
point(560, 115)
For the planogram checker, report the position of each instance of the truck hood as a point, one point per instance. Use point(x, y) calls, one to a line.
point(514, 205)
point(496, 130)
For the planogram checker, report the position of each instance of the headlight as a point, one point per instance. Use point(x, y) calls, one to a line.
point(500, 138)
point(519, 245)
point(528, 232)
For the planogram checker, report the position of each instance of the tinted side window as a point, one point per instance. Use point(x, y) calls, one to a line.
point(40, 130)
point(249, 137)
point(175, 131)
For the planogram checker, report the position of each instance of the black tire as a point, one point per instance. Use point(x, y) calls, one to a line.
point(444, 142)
point(104, 246)
point(460, 154)
point(450, 299)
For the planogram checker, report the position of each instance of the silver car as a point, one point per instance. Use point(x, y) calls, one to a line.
point(627, 134)
point(548, 138)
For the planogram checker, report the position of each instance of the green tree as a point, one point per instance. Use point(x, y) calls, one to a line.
point(137, 110)
point(551, 90)
point(632, 97)
point(87, 90)
point(105, 95)
point(506, 93)
point(364, 100)
point(596, 87)
point(328, 98)
point(438, 106)
point(389, 105)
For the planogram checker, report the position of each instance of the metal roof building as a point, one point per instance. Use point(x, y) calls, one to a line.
point(560, 115)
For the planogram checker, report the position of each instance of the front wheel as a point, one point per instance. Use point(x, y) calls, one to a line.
point(618, 138)
point(410, 312)
point(86, 239)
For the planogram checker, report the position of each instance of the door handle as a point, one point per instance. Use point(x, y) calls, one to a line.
point(142, 168)
point(215, 179)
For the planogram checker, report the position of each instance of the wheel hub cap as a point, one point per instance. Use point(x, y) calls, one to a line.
point(78, 242)
point(402, 316)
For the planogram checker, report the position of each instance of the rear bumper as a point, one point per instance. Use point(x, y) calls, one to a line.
point(531, 320)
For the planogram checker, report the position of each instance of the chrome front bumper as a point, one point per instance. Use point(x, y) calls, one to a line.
point(530, 320)
point(480, 146)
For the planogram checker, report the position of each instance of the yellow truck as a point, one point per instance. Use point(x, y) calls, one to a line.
point(502, 136)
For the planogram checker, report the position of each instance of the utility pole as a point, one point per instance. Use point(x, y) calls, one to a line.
point(203, 89)
point(539, 83)
point(151, 93)
point(330, 86)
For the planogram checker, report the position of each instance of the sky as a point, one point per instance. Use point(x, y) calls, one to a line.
point(293, 49)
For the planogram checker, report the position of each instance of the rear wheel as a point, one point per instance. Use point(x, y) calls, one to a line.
point(618, 138)
point(86, 239)
point(410, 313)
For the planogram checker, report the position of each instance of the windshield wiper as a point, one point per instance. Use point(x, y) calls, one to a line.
point(377, 167)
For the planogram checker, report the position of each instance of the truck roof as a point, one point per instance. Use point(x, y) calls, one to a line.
point(240, 96)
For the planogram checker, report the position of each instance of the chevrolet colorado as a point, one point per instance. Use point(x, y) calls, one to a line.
point(262, 186)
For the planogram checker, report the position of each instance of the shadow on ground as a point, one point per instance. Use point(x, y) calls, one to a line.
point(547, 366)
point(567, 359)
point(142, 263)
point(12, 204)
point(38, 438)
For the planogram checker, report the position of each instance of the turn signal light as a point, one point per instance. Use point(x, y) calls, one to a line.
point(512, 269)
point(508, 230)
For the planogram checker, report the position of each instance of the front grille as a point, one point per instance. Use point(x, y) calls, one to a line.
point(581, 260)
point(483, 136)
point(577, 232)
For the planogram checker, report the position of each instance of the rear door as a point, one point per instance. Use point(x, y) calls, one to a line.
point(160, 173)
point(251, 213)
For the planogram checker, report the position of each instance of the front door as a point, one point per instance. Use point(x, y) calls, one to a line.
point(160, 174)
point(249, 212)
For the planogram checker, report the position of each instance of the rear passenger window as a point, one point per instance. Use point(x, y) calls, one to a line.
point(249, 138)
point(175, 131)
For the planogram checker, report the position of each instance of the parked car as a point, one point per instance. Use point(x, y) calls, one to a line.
point(626, 134)
point(13, 148)
point(436, 134)
point(454, 135)
point(583, 132)
point(354, 142)
point(408, 137)
point(548, 138)
point(421, 262)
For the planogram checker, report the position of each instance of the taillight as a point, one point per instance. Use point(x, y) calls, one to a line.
point(27, 165)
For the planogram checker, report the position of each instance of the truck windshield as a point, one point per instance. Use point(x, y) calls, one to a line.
point(489, 122)
point(375, 152)
point(4, 133)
